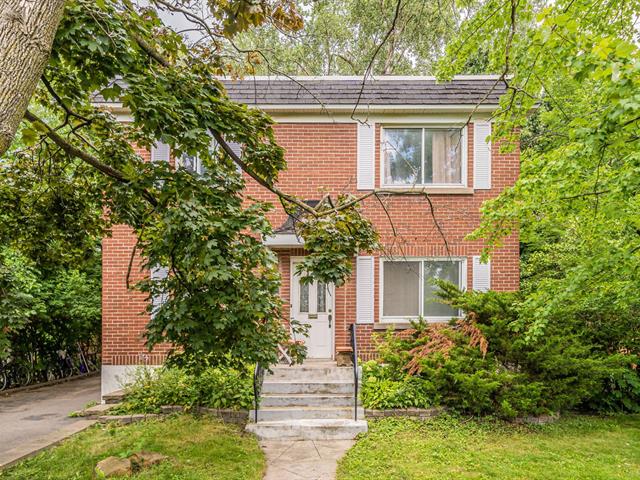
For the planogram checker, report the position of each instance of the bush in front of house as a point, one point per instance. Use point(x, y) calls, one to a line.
point(213, 387)
point(383, 389)
point(484, 365)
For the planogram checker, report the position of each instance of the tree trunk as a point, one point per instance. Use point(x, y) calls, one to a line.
point(27, 30)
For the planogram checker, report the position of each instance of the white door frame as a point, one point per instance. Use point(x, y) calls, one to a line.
point(331, 304)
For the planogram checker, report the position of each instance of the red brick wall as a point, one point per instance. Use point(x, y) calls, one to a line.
point(322, 159)
point(123, 309)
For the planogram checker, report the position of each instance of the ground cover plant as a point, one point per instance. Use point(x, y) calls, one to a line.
point(198, 449)
point(213, 387)
point(576, 448)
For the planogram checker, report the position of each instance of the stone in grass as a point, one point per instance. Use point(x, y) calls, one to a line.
point(144, 459)
point(113, 466)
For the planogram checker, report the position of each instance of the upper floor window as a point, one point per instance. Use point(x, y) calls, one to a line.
point(423, 156)
point(192, 163)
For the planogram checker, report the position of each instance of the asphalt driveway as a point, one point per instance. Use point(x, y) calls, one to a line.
point(31, 420)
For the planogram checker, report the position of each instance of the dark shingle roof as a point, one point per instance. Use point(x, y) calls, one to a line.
point(265, 91)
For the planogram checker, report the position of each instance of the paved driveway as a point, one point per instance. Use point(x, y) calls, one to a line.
point(30, 420)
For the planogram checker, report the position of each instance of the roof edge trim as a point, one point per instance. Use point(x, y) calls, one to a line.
point(360, 78)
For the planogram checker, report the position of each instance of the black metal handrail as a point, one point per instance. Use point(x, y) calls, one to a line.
point(354, 357)
point(258, 378)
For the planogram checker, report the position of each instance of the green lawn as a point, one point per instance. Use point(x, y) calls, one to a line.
point(199, 449)
point(574, 448)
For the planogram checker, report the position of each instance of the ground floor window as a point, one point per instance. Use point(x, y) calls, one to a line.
point(409, 291)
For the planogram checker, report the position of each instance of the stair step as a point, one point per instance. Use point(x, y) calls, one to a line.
point(272, 414)
point(331, 429)
point(309, 374)
point(323, 387)
point(113, 397)
point(306, 400)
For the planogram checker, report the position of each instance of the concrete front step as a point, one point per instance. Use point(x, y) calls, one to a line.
point(317, 429)
point(304, 373)
point(275, 414)
point(324, 387)
point(305, 400)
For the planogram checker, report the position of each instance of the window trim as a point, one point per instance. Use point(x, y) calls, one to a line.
point(426, 126)
point(199, 170)
point(404, 319)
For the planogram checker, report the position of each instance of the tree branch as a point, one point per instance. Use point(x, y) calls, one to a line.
point(279, 193)
point(74, 151)
point(373, 58)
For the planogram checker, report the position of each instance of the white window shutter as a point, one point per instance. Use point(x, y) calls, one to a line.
point(481, 156)
point(481, 275)
point(366, 156)
point(157, 274)
point(364, 289)
point(160, 152)
point(236, 148)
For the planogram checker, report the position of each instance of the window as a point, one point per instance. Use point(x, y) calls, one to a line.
point(322, 297)
point(424, 156)
point(192, 163)
point(409, 290)
point(304, 297)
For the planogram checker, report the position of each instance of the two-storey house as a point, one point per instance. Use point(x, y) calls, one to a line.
point(396, 134)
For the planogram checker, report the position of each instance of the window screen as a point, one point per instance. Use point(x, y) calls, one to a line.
point(422, 156)
point(401, 290)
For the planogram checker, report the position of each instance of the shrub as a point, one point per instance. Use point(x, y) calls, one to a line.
point(482, 365)
point(379, 391)
point(214, 387)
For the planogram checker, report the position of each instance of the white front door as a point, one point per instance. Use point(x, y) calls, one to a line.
point(312, 304)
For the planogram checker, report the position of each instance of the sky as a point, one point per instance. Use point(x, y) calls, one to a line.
point(177, 21)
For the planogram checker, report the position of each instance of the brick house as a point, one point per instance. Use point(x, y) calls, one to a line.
point(410, 133)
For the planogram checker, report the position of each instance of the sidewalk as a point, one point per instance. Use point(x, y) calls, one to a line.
point(304, 460)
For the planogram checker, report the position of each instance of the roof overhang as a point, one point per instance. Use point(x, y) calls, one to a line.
point(282, 240)
point(361, 110)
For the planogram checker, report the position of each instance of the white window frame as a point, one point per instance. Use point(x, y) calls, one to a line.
point(199, 167)
point(198, 164)
point(405, 319)
point(426, 126)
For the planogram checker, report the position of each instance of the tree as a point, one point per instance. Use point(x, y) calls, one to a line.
point(575, 65)
point(26, 34)
point(342, 37)
point(222, 287)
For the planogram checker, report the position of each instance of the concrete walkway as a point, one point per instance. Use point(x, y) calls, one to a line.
point(304, 459)
point(34, 419)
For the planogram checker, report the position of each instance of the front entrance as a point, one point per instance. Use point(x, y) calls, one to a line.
point(312, 304)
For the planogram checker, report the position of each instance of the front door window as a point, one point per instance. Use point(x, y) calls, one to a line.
point(304, 297)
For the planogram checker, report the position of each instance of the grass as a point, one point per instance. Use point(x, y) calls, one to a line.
point(198, 448)
point(576, 448)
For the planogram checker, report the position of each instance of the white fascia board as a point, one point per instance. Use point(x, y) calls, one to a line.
point(370, 79)
point(122, 113)
point(283, 240)
point(111, 106)
point(382, 118)
point(364, 110)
